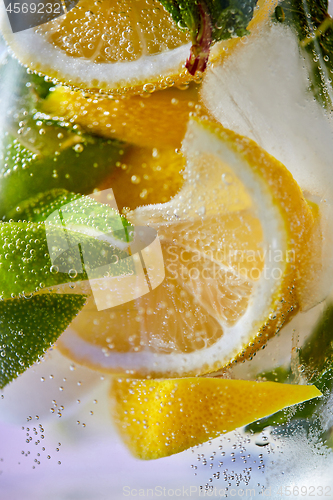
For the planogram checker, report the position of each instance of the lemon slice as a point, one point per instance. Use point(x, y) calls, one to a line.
point(235, 244)
point(157, 418)
point(147, 120)
point(150, 175)
point(128, 46)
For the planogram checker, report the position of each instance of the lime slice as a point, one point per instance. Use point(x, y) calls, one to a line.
point(39, 207)
point(45, 154)
point(30, 326)
point(30, 323)
point(38, 154)
point(26, 268)
point(72, 233)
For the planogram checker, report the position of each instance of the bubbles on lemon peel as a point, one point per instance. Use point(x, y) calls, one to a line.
point(117, 38)
point(149, 87)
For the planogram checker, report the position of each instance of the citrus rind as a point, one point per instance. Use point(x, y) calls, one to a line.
point(143, 75)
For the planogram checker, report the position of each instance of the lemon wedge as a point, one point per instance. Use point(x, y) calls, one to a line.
point(235, 242)
point(127, 47)
point(157, 418)
point(146, 121)
point(150, 175)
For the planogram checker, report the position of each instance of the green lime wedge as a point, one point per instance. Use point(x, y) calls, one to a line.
point(41, 255)
point(39, 207)
point(48, 155)
point(28, 327)
point(73, 238)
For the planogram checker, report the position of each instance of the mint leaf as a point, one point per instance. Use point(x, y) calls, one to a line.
point(316, 356)
point(313, 26)
point(28, 327)
point(209, 21)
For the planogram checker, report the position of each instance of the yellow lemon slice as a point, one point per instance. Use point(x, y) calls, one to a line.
point(235, 246)
point(157, 418)
point(128, 46)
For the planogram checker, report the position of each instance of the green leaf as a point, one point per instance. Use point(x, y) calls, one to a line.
point(28, 327)
point(316, 356)
point(209, 21)
point(314, 29)
point(279, 374)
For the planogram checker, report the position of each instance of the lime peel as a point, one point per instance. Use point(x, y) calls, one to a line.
point(29, 326)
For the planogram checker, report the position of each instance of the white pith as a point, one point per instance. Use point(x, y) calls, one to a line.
point(34, 51)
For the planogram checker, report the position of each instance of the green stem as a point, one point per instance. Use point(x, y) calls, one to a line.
point(322, 28)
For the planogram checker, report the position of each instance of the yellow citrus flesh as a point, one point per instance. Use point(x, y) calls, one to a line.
point(155, 120)
point(113, 45)
point(235, 245)
point(157, 418)
point(145, 176)
point(121, 47)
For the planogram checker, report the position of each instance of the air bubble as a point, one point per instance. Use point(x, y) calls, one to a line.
point(227, 178)
point(149, 87)
point(78, 148)
point(72, 273)
point(135, 179)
